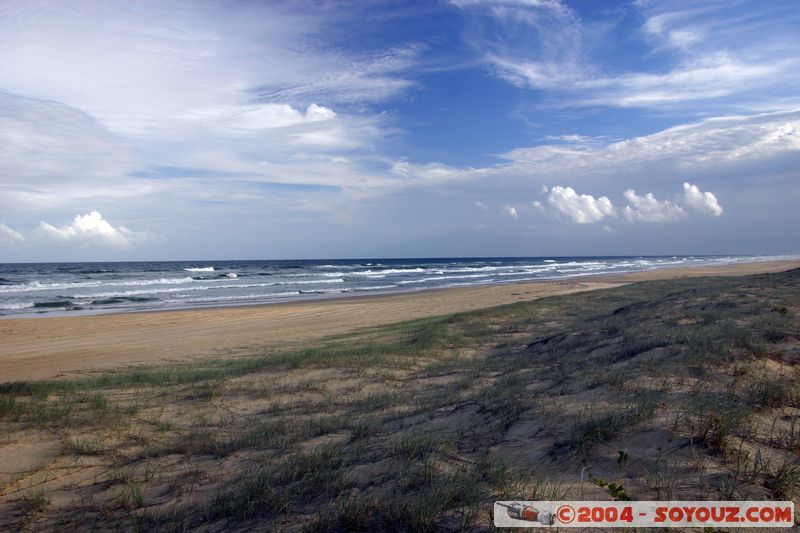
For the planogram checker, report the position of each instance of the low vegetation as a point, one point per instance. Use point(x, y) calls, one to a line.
point(683, 389)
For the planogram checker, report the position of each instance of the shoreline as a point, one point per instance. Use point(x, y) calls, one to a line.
point(630, 276)
point(56, 346)
point(66, 304)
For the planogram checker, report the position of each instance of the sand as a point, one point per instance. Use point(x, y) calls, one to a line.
point(63, 347)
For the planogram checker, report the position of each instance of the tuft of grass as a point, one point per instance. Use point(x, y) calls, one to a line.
point(135, 496)
point(790, 438)
point(11, 408)
point(377, 401)
point(784, 482)
point(414, 447)
point(592, 428)
point(35, 501)
point(98, 402)
point(712, 419)
point(362, 430)
point(773, 391)
point(84, 445)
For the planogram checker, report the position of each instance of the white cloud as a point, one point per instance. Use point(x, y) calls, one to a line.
point(254, 118)
point(649, 209)
point(10, 236)
point(716, 54)
point(568, 138)
point(712, 76)
point(707, 144)
point(151, 66)
point(713, 146)
point(369, 78)
point(481, 205)
point(586, 209)
point(663, 28)
point(511, 211)
point(581, 209)
point(553, 4)
point(51, 154)
point(702, 202)
point(91, 230)
point(206, 88)
point(415, 175)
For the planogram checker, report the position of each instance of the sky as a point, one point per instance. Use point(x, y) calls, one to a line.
point(155, 130)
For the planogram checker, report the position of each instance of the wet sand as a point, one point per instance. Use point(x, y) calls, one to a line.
point(58, 347)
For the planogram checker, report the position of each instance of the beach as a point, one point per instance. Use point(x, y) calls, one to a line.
point(58, 347)
point(411, 411)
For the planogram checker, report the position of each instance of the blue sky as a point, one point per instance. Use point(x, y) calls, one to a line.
point(188, 130)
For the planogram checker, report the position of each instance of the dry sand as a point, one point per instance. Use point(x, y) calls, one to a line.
point(56, 347)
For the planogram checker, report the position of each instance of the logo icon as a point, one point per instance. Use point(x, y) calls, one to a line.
point(518, 511)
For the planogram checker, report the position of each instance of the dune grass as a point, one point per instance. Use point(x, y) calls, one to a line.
point(683, 388)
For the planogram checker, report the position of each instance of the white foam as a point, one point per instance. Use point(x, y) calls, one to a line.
point(264, 296)
point(37, 286)
point(529, 271)
point(192, 288)
point(11, 307)
point(306, 282)
point(386, 271)
point(475, 269)
point(437, 278)
point(325, 291)
point(140, 292)
point(376, 287)
point(199, 269)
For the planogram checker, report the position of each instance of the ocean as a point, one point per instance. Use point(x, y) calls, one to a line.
point(45, 289)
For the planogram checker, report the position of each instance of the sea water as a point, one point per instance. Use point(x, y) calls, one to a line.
point(82, 288)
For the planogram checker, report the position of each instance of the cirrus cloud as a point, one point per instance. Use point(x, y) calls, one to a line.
point(548, 46)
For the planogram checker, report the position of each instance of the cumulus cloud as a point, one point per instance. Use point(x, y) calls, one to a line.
point(586, 209)
point(511, 211)
point(649, 209)
point(580, 208)
point(91, 230)
point(10, 236)
point(481, 205)
point(702, 202)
